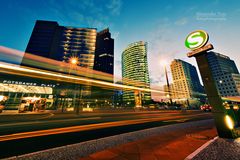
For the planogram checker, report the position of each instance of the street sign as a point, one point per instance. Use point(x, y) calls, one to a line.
point(196, 39)
point(196, 42)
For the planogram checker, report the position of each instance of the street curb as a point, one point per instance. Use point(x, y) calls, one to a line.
point(192, 155)
point(83, 149)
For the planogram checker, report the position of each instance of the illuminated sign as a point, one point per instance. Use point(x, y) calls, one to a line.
point(27, 83)
point(196, 39)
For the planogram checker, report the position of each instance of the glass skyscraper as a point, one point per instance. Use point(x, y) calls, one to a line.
point(225, 74)
point(72, 45)
point(62, 43)
point(135, 73)
point(104, 54)
point(104, 62)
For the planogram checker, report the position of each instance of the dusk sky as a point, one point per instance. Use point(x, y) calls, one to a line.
point(164, 24)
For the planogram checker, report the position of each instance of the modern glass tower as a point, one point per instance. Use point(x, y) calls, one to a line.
point(104, 54)
point(104, 62)
point(51, 40)
point(135, 73)
point(72, 45)
point(225, 74)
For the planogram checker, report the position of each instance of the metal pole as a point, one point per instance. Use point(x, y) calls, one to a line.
point(168, 85)
point(219, 111)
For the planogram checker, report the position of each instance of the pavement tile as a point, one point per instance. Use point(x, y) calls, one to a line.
point(171, 146)
point(148, 156)
point(103, 155)
point(116, 150)
point(131, 149)
point(119, 158)
point(131, 156)
point(86, 158)
point(163, 156)
point(145, 150)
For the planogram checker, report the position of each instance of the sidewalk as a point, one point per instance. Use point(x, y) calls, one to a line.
point(168, 146)
point(224, 149)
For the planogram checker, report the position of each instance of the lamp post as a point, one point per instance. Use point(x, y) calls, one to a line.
point(74, 62)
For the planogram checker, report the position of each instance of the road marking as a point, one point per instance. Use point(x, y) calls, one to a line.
point(192, 155)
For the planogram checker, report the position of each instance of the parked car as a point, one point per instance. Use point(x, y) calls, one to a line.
point(206, 108)
point(23, 106)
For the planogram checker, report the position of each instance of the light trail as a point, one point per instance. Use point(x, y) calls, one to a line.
point(64, 68)
point(88, 127)
point(27, 71)
point(48, 122)
point(97, 117)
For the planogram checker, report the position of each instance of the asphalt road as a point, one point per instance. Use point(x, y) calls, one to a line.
point(20, 134)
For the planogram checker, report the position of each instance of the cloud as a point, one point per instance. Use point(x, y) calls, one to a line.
point(163, 46)
point(181, 22)
point(88, 12)
point(115, 35)
point(115, 6)
point(118, 68)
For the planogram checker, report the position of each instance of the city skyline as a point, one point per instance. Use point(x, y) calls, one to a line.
point(158, 26)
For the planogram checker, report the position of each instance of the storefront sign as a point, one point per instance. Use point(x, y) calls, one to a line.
point(27, 83)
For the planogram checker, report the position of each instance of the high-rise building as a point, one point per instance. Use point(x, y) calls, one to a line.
point(82, 46)
point(104, 54)
point(186, 82)
point(225, 74)
point(104, 62)
point(68, 44)
point(135, 72)
point(51, 40)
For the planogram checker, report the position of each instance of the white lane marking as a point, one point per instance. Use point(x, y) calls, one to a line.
point(192, 155)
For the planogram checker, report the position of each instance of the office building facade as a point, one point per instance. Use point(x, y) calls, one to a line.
point(135, 72)
point(83, 46)
point(225, 74)
point(72, 45)
point(51, 40)
point(104, 54)
point(186, 83)
point(104, 62)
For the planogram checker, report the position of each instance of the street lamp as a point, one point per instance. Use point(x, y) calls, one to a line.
point(74, 61)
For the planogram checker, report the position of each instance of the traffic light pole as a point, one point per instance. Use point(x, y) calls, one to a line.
point(218, 110)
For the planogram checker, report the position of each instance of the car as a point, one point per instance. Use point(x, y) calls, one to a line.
point(23, 106)
point(206, 108)
point(1, 108)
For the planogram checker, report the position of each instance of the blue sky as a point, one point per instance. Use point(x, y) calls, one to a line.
point(164, 24)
